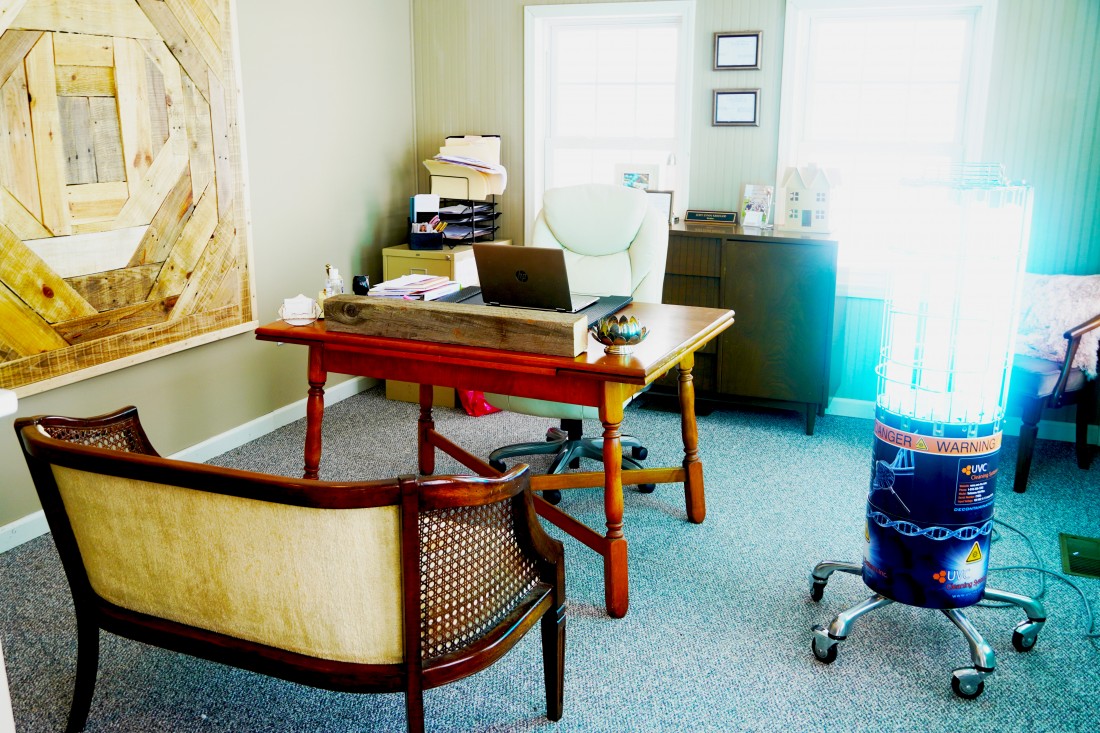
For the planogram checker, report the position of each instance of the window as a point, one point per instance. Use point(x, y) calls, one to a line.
point(881, 92)
point(608, 97)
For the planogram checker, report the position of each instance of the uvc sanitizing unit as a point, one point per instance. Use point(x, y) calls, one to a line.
point(948, 335)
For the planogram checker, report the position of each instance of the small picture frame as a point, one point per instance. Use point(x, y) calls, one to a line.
point(736, 107)
point(636, 175)
point(737, 50)
point(662, 201)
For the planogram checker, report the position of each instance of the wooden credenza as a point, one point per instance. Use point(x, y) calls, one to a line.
point(782, 289)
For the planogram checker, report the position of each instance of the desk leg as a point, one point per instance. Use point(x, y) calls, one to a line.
point(315, 412)
point(693, 467)
point(615, 577)
point(425, 451)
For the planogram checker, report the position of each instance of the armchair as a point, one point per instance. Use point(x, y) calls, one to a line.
point(1054, 368)
point(615, 243)
point(379, 586)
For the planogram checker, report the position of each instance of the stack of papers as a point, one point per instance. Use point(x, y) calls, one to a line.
point(415, 287)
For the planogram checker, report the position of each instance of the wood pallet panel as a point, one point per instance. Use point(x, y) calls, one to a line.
point(106, 140)
point(79, 49)
point(123, 221)
point(114, 289)
point(82, 254)
point(84, 81)
point(18, 173)
point(97, 17)
point(46, 124)
point(167, 224)
point(37, 285)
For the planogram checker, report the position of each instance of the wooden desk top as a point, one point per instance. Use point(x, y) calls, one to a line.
point(674, 330)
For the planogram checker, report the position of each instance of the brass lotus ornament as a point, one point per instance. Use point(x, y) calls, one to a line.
point(618, 334)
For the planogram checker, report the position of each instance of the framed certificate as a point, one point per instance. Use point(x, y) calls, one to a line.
point(737, 50)
point(734, 107)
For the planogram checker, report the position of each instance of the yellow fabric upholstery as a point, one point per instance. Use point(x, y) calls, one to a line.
point(321, 582)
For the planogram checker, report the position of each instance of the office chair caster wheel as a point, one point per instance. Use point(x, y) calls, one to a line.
point(1024, 642)
point(967, 683)
point(639, 452)
point(826, 656)
point(817, 589)
point(497, 465)
point(552, 496)
point(823, 646)
point(646, 488)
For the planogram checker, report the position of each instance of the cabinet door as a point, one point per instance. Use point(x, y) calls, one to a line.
point(782, 296)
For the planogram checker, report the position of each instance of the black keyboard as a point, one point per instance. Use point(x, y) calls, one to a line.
point(460, 295)
point(605, 306)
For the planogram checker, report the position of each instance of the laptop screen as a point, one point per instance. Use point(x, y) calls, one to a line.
point(526, 277)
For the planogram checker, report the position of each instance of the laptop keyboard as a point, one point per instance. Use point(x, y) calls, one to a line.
point(602, 307)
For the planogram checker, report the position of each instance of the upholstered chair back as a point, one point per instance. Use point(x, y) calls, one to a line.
point(615, 243)
point(321, 582)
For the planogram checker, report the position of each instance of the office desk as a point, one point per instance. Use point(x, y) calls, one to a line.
point(593, 378)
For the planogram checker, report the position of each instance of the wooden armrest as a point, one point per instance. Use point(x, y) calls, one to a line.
point(1073, 340)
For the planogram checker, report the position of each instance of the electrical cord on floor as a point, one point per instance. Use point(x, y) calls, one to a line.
point(1090, 629)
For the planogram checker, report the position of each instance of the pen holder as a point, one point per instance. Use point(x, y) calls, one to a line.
point(425, 240)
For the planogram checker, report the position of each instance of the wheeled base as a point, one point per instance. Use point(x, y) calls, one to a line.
point(966, 682)
point(569, 448)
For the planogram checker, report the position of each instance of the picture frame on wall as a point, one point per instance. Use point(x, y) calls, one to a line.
point(737, 50)
point(736, 107)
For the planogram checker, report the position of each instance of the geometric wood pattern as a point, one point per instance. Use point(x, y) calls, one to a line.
point(123, 219)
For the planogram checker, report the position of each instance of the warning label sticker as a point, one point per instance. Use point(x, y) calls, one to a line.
point(975, 553)
point(942, 446)
point(977, 477)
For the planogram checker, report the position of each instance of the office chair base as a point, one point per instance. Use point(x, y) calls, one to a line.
point(567, 450)
point(966, 682)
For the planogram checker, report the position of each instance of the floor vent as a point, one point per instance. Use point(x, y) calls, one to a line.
point(1080, 555)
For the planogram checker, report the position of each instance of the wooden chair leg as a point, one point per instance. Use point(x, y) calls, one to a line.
point(1086, 413)
point(1032, 411)
point(87, 665)
point(414, 707)
point(553, 661)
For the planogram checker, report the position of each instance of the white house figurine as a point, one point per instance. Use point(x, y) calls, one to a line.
point(805, 202)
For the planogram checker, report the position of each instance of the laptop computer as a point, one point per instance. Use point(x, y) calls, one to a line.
point(526, 277)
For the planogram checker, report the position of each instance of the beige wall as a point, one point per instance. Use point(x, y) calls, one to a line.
point(328, 137)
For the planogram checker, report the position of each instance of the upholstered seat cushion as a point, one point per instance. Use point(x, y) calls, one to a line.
point(1032, 377)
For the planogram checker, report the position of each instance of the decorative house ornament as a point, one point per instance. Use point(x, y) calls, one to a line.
point(805, 202)
point(123, 215)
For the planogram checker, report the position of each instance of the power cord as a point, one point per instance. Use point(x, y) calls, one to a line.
point(1090, 629)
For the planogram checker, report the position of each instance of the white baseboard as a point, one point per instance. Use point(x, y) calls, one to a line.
point(23, 530)
point(34, 525)
point(1048, 430)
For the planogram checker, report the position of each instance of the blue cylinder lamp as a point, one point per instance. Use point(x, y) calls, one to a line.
point(947, 343)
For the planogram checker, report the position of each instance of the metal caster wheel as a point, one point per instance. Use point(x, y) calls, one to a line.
point(647, 488)
point(1023, 642)
point(828, 656)
point(967, 684)
point(639, 452)
point(553, 496)
point(497, 465)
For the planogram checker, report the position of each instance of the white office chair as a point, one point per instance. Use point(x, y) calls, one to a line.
point(615, 244)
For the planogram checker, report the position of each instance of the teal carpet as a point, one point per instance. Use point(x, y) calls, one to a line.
point(718, 633)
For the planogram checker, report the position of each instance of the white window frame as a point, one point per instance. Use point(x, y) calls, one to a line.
point(537, 21)
point(866, 283)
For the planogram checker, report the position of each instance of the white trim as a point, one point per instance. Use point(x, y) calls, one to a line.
point(847, 407)
point(238, 436)
point(34, 525)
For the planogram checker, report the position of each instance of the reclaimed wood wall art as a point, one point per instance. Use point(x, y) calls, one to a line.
point(123, 214)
